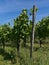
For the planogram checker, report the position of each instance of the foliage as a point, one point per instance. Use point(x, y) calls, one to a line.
point(38, 56)
point(42, 28)
point(21, 30)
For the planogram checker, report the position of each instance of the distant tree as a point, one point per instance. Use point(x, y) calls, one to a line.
point(42, 29)
point(4, 32)
point(20, 28)
point(24, 25)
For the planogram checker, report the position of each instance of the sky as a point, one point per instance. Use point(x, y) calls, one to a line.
point(10, 9)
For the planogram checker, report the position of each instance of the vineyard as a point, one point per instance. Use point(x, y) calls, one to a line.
point(26, 42)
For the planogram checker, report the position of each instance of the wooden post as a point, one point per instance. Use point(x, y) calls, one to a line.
point(32, 31)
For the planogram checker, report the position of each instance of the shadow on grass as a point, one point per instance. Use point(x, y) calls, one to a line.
point(5, 54)
point(8, 56)
point(1, 51)
point(27, 46)
point(36, 49)
point(41, 48)
point(10, 45)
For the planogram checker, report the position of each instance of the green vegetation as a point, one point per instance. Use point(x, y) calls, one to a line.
point(16, 42)
point(40, 56)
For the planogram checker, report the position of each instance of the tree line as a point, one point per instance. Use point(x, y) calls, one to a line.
point(22, 30)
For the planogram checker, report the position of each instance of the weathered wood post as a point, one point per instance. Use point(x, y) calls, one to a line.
point(32, 31)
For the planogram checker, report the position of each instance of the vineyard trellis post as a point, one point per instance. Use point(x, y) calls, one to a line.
point(32, 31)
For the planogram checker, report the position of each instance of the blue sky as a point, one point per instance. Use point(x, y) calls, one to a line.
point(10, 9)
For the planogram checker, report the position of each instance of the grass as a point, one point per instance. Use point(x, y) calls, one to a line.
point(40, 55)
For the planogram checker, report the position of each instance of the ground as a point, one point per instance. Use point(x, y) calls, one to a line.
point(40, 55)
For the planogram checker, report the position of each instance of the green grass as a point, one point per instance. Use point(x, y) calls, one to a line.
point(40, 55)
